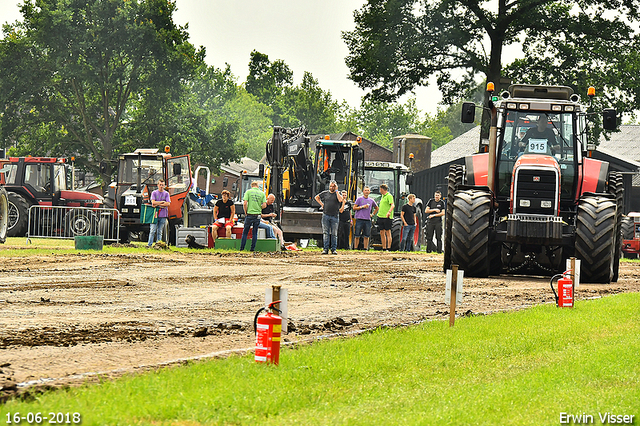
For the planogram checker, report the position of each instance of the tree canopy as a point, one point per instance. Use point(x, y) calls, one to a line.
point(398, 45)
point(98, 77)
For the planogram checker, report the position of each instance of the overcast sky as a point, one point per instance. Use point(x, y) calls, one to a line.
point(305, 34)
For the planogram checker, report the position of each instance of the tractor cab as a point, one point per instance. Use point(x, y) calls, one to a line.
point(531, 141)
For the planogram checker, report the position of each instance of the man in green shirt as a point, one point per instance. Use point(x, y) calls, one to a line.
point(385, 217)
point(254, 201)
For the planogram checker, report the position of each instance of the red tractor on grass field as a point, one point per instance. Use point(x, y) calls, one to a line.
point(535, 197)
point(44, 181)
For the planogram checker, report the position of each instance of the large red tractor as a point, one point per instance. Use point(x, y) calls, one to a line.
point(535, 197)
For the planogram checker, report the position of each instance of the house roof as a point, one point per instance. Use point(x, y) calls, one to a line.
point(625, 143)
point(245, 163)
point(463, 145)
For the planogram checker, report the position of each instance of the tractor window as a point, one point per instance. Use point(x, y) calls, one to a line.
point(11, 170)
point(333, 164)
point(374, 178)
point(38, 176)
point(179, 177)
point(59, 178)
point(150, 171)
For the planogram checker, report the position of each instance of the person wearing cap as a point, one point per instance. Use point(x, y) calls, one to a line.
point(330, 202)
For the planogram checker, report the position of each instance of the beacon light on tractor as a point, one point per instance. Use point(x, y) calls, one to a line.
point(527, 207)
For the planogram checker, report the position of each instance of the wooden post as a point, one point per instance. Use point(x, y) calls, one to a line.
point(454, 288)
point(275, 295)
point(573, 280)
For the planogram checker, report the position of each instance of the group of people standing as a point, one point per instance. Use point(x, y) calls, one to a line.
point(337, 218)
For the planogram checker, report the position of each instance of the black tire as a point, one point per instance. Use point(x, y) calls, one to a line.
point(107, 228)
point(172, 231)
point(470, 245)
point(4, 215)
point(18, 215)
point(396, 233)
point(453, 181)
point(627, 228)
point(616, 188)
point(595, 238)
point(80, 223)
point(125, 235)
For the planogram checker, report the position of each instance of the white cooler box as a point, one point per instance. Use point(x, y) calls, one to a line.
point(199, 233)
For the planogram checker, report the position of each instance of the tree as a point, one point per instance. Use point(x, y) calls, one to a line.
point(380, 122)
point(96, 78)
point(303, 105)
point(310, 106)
point(254, 121)
point(398, 45)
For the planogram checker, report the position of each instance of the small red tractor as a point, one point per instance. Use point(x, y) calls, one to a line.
point(535, 197)
point(44, 181)
point(631, 235)
point(138, 176)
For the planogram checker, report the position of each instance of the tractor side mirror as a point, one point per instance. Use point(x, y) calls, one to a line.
point(177, 169)
point(234, 186)
point(609, 119)
point(261, 171)
point(468, 112)
point(225, 182)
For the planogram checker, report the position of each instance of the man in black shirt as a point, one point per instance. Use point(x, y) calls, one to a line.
point(540, 139)
point(223, 214)
point(435, 211)
point(330, 202)
point(408, 216)
point(344, 227)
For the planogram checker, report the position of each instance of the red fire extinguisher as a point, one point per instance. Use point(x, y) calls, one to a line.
point(564, 297)
point(268, 329)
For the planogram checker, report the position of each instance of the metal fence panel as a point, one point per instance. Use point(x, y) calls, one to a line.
point(68, 222)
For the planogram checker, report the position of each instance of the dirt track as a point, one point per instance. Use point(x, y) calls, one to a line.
point(67, 316)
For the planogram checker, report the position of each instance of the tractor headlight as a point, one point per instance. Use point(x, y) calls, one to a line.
point(525, 203)
point(546, 204)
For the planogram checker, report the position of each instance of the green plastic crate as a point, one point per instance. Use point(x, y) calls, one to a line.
point(234, 244)
point(93, 242)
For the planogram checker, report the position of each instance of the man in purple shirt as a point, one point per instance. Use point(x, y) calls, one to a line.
point(364, 208)
point(160, 199)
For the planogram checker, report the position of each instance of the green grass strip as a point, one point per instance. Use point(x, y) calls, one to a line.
point(518, 368)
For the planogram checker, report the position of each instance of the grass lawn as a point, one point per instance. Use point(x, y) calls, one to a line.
point(518, 368)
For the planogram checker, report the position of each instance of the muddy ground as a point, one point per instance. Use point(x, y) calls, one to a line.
point(66, 318)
